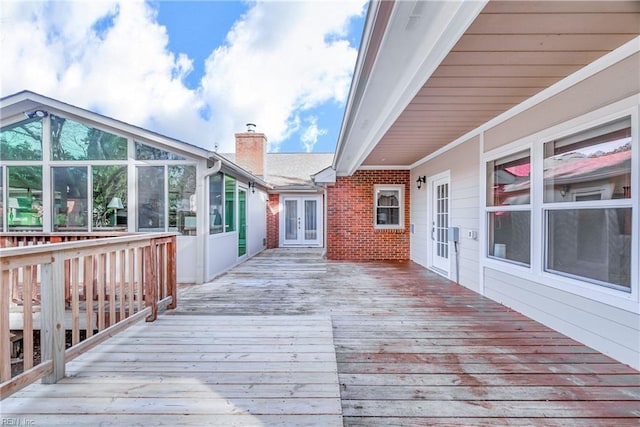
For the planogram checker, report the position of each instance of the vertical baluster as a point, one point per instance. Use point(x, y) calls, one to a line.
point(27, 319)
point(131, 268)
point(75, 301)
point(140, 283)
point(89, 278)
point(122, 295)
point(112, 288)
point(102, 259)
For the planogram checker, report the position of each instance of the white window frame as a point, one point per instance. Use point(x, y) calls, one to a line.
point(618, 298)
point(387, 187)
point(526, 207)
point(571, 205)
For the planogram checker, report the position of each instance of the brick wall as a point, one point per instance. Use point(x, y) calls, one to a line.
point(273, 221)
point(350, 232)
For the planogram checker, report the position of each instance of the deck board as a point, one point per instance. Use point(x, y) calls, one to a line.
point(218, 370)
point(410, 349)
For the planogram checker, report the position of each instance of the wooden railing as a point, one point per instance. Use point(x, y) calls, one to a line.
point(60, 299)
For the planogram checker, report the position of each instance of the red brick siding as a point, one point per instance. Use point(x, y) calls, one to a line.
point(350, 232)
point(273, 221)
point(250, 152)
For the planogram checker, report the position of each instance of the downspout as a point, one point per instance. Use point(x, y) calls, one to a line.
point(325, 220)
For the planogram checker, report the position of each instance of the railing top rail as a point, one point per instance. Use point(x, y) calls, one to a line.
point(65, 234)
point(82, 244)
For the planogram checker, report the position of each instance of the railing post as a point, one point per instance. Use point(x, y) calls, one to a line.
point(5, 357)
point(52, 317)
point(172, 281)
point(150, 280)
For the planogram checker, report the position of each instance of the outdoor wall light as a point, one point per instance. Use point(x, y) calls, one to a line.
point(252, 186)
point(421, 180)
point(36, 114)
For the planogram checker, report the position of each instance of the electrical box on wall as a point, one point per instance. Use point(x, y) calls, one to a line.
point(454, 234)
point(472, 234)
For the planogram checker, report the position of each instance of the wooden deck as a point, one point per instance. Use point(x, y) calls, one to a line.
point(411, 349)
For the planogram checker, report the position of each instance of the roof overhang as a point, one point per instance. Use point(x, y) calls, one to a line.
point(429, 73)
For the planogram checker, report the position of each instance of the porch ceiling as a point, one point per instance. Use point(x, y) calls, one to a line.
point(510, 52)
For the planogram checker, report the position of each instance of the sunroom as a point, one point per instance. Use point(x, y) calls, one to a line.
point(68, 170)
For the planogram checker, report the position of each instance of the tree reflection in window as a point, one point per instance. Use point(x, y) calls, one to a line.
point(24, 197)
point(146, 152)
point(22, 140)
point(109, 182)
point(71, 140)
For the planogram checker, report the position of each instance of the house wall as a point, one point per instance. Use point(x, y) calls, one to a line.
point(350, 215)
point(604, 319)
point(273, 221)
point(462, 163)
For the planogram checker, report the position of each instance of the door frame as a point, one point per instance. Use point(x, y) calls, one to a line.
point(301, 197)
point(443, 176)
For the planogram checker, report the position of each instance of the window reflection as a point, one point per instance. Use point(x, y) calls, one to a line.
point(109, 182)
point(145, 152)
point(24, 198)
point(70, 198)
point(388, 207)
point(22, 141)
point(215, 203)
point(71, 140)
point(151, 198)
point(229, 204)
point(592, 165)
point(509, 180)
point(182, 199)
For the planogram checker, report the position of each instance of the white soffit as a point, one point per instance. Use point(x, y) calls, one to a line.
point(416, 39)
point(425, 92)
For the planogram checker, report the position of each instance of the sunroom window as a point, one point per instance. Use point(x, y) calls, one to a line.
point(587, 195)
point(509, 208)
point(22, 141)
point(71, 140)
point(388, 208)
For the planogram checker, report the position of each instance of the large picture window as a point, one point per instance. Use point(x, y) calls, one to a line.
point(587, 204)
point(509, 208)
point(388, 206)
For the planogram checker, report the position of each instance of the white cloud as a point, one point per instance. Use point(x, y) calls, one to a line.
point(311, 134)
point(281, 59)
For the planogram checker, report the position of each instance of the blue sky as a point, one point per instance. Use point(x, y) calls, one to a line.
point(193, 70)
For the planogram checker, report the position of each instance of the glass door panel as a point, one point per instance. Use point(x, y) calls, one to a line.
point(310, 220)
point(291, 219)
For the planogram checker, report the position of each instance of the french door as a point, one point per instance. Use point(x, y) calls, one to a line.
point(440, 224)
point(302, 220)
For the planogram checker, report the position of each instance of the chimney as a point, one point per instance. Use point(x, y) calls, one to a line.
point(251, 151)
